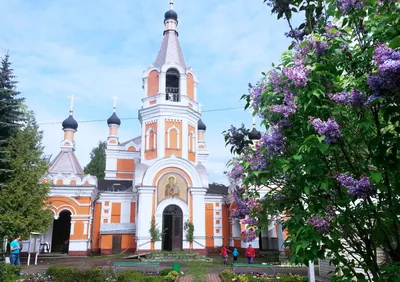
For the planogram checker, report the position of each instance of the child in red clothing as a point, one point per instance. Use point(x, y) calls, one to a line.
point(250, 254)
point(224, 254)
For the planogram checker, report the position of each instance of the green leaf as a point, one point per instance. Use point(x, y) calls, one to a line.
point(298, 157)
point(395, 43)
point(307, 190)
point(376, 176)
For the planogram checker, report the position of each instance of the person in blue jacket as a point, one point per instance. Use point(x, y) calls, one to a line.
point(15, 251)
point(235, 254)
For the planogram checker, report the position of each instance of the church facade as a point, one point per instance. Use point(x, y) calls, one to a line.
point(161, 174)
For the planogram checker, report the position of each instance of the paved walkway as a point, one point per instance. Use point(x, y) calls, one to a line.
point(209, 277)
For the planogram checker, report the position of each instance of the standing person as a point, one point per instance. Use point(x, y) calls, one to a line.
point(15, 251)
point(224, 254)
point(235, 254)
point(250, 254)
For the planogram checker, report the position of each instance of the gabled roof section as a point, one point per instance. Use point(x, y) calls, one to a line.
point(170, 51)
point(136, 140)
point(217, 189)
point(66, 163)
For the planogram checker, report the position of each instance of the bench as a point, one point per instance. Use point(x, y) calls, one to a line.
point(143, 265)
point(253, 265)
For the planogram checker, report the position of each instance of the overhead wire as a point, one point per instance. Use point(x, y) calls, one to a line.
point(135, 118)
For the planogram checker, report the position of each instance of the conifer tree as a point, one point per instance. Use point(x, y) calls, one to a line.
point(10, 113)
point(97, 164)
point(23, 207)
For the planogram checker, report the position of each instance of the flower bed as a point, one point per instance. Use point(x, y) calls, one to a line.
point(94, 274)
point(228, 276)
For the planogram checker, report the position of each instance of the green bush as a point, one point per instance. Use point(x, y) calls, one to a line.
point(227, 275)
point(130, 275)
point(165, 272)
point(8, 272)
point(61, 273)
point(172, 276)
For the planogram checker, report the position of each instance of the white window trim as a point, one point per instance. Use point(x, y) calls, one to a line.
point(148, 139)
point(178, 133)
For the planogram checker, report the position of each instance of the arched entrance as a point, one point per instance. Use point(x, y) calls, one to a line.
point(173, 228)
point(61, 232)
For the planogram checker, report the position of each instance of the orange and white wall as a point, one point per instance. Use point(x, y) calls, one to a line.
point(76, 195)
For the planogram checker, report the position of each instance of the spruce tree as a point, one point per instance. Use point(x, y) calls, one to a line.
point(23, 207)
point(10, 113)
point(97, 164)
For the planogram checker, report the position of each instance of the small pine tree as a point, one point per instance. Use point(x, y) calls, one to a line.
point(97, 164)
point(189, 231)
point(10, 113)
point(23, 208)
point(155, 233)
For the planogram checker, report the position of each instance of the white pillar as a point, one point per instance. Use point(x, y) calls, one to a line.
point(72, 228)
point(280, 235)
point(185, 139)
point(85, 227)
point(311, 271)
point(161, 85)
point(145, 203)
point(161, 138)
point(199, 218)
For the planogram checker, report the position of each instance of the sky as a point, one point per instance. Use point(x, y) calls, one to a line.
point(97, 49)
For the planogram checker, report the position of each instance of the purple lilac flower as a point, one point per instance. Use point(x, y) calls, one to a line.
point(296, 34)
point(276, 81)
point(250, 235)
point(236, 173)
point(360, 188)
point(298, 74)
point(329, 129)
point(352, 98)
point(332, 32)
point(383, 53)
point(250, 221)
point(289, 106)
point(315, 45)
point(379, 83)
point(273, 140)
point(256, 91)
point(347, 5)
point(242, 210)
point(320, 223)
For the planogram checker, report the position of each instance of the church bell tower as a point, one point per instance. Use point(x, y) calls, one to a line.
point(170, 115)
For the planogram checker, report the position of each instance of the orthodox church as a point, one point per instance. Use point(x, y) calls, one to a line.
point(160, 174)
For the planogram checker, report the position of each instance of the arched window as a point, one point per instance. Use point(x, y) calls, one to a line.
point(150, 139)
point(172, 86)
point(192, 142)
point(173, 135)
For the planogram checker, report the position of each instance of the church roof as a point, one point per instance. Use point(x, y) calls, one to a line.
point(217, 189)
point(66, 163)
point(115, 185)
point(170, 51)
point(134, 140)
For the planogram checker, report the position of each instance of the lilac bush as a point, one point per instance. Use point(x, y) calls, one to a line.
point(330, 151)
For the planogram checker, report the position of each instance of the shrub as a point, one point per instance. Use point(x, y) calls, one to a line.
point(95, 274)
point(8, 272)
point(165, 272)
point(130, 275)
point(172, 276)
point(227, 275)
point(61, 273)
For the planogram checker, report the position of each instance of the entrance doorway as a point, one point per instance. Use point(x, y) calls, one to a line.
point(61, 232)
point(173, 228)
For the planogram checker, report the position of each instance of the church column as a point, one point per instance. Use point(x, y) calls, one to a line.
point(185, 139)
point(183, 84)
point(280, 235)
point(145, 203)
point(160, 138)
point(162, 82)
point(199, 218)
